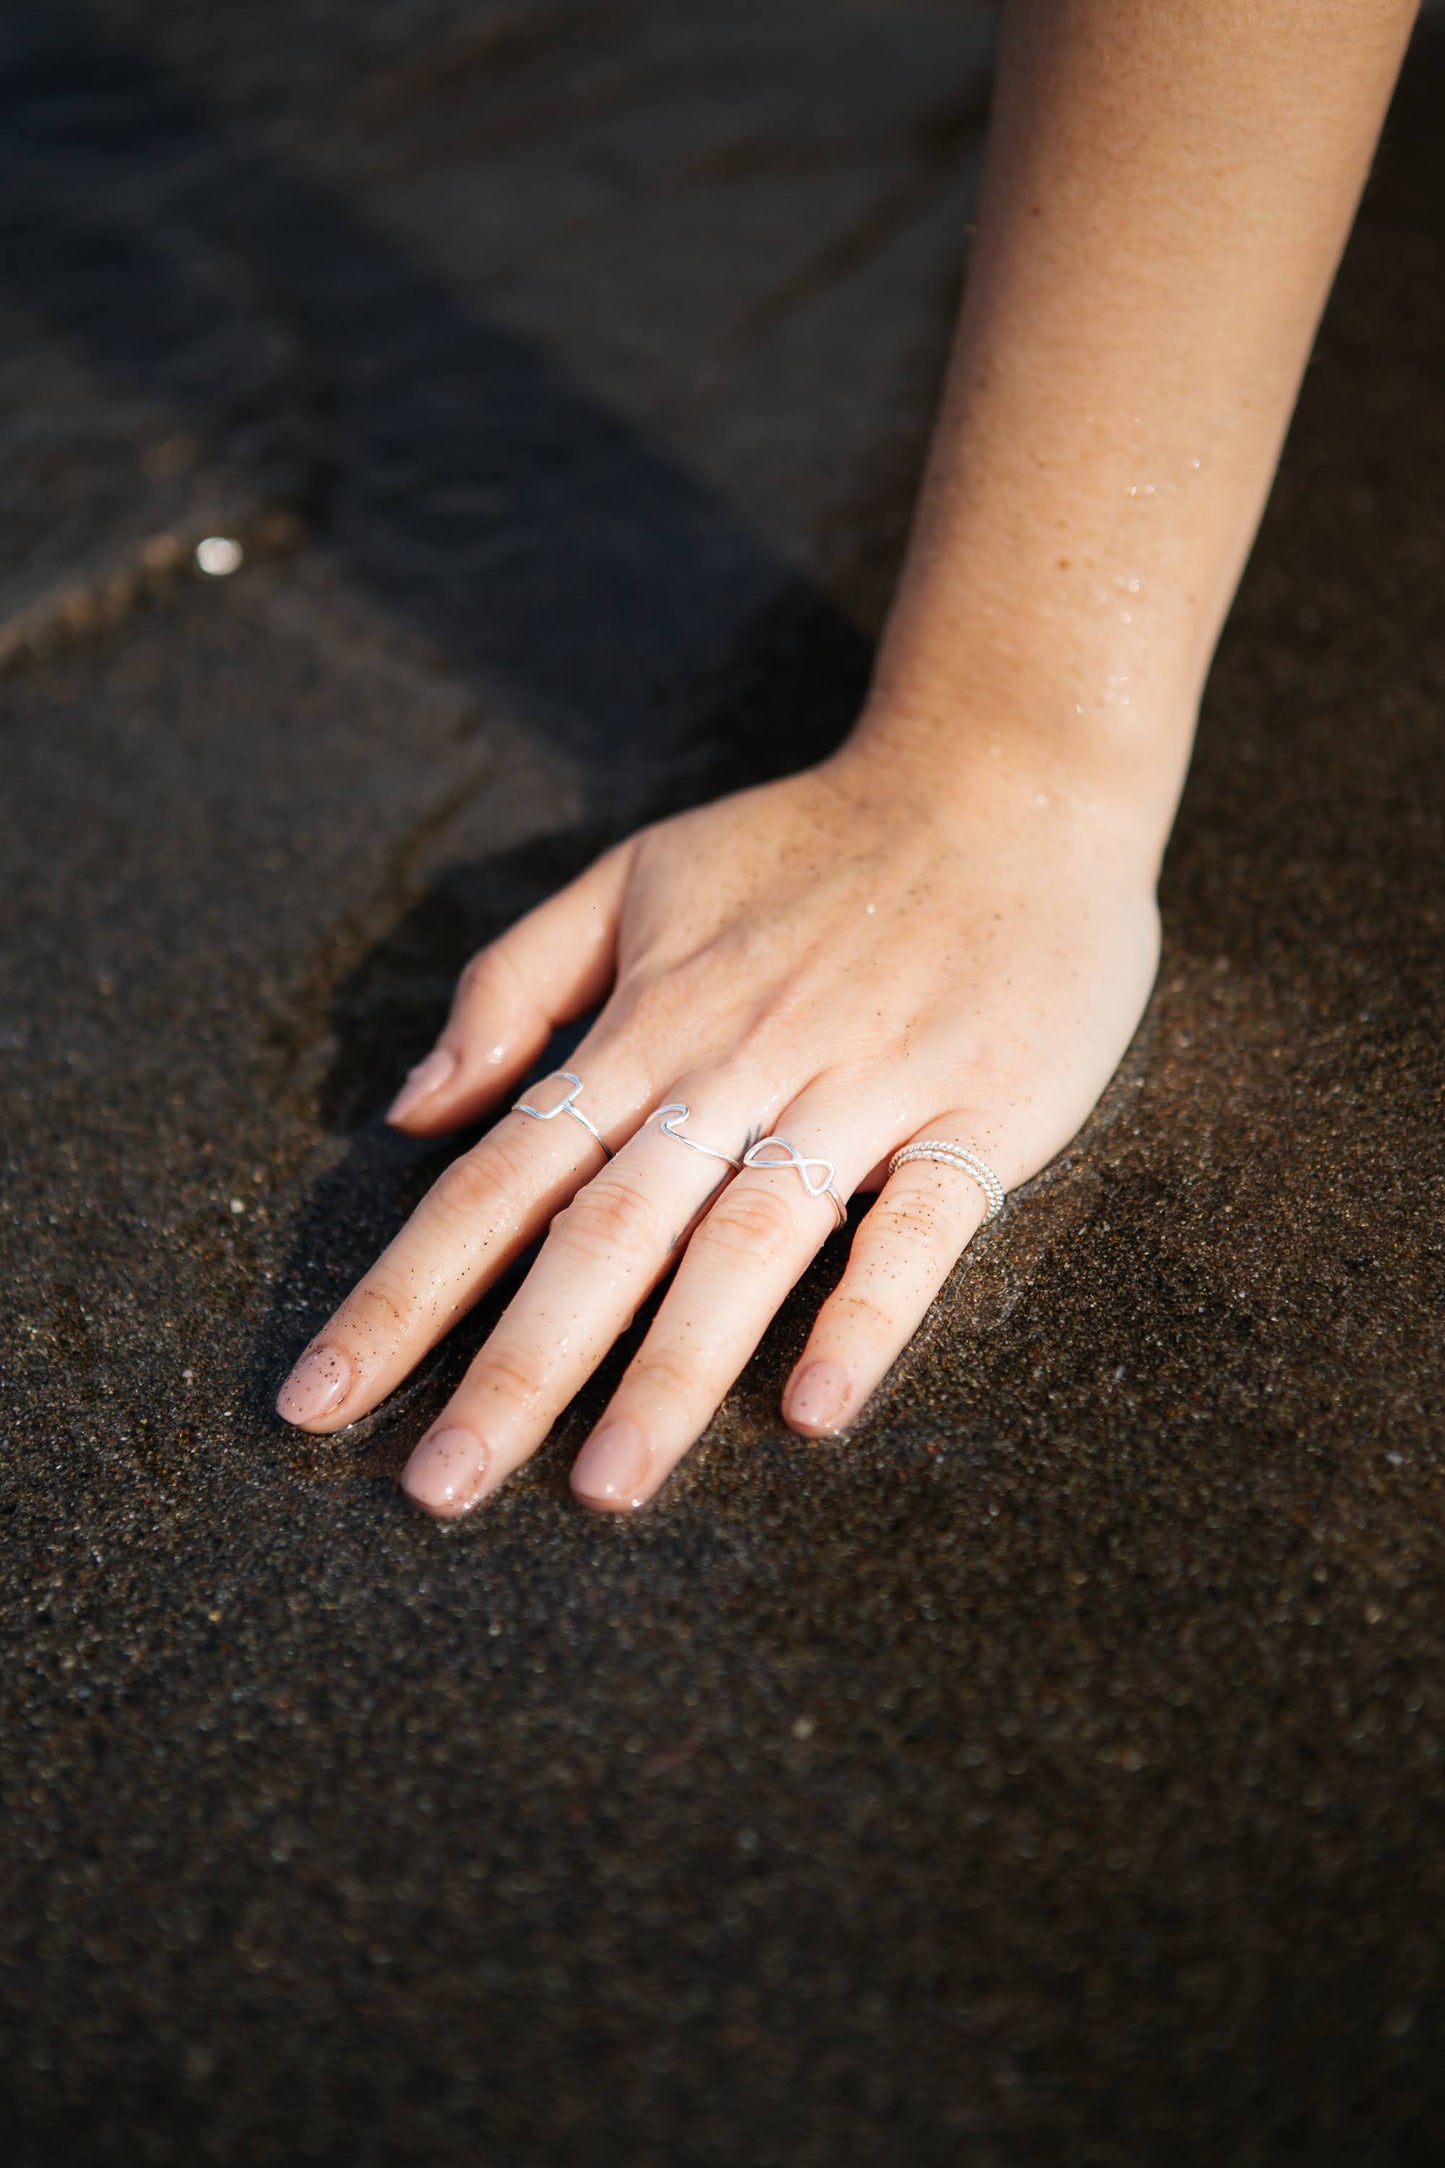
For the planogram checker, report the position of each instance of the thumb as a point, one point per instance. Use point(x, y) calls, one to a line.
point(553, 965)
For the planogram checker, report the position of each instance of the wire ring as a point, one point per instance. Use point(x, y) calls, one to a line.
point(566, 1105)
point(967, 1162)
point(795, 1158)
point(679, 1110)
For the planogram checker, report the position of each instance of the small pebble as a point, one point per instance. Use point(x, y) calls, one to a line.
point(219, 555)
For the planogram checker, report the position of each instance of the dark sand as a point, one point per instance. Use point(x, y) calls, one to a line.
point(1053, 1773)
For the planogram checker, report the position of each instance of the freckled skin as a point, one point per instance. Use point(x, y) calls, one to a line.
point(949, 929)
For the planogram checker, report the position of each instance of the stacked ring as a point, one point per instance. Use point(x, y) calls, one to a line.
point(959, 1156)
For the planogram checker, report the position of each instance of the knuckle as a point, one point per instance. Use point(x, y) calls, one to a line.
point(379, 1308)
point(474, 1187)
point(491, 994)
point(510, 1373)
point(665, 1371)
point(610, 1217)
point(862, 1079)
point(483, 975)
point(921, 1217)
point(750, 1221)
point(645, 1005)
point(863, 1314)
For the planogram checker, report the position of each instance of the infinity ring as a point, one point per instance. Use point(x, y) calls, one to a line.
point(565, 1105)
point(678, 1111)
point(959, 1156)
point(792, 1157)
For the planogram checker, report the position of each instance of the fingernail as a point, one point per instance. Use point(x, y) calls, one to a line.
point(427, 1077)
point(319, 1382)
point(818, 1397)
point(613, 1467)
point(445, 1472)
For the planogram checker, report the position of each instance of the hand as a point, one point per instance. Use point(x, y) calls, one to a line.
point(851, 958)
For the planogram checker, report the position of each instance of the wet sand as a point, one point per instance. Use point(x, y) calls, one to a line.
point(1051, 1774)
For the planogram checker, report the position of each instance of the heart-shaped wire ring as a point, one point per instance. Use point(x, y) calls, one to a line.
point(794, 1158)
point(566, 1105)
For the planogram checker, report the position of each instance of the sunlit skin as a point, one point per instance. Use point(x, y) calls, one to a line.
point(948, 929)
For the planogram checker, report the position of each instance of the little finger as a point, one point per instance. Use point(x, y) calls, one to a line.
point(927, 1214)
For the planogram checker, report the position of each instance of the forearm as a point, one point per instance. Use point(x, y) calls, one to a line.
point(1167, 194)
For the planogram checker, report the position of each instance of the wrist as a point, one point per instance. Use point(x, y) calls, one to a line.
point(1013, 744)
point(1101, 710)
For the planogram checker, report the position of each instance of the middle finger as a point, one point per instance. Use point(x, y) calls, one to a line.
point(747, 1253)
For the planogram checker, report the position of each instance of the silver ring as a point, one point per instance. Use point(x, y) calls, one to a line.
point(679, 1111)
point(566, 1105)
point(794, 1158)
point(966, 1161)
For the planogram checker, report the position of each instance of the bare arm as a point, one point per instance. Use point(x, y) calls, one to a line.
point(1168, 191)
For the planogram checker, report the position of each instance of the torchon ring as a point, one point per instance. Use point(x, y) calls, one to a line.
point(967, 1162)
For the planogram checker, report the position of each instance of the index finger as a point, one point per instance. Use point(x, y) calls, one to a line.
point(479, 1214)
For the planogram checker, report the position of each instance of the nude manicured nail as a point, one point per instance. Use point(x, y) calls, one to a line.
point(427, 1077)
point(613, 1467)
point(818, 1397)
point(446, 1472)
point(320, 1381)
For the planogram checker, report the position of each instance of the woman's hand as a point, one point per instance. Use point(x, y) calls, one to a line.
point(949, 929)
point(849, 959)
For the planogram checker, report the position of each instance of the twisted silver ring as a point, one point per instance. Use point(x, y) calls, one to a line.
point(792, 1157)
point(566, 1105)
point(678, 1110)
point(959, 1156)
